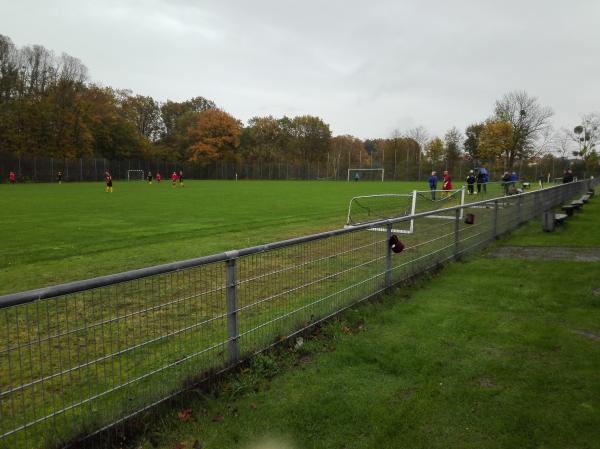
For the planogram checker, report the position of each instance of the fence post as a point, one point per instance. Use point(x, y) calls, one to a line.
point(495, 221)
point(520, 200)
point(230, 282)
point(388, 256)
point(456, 232)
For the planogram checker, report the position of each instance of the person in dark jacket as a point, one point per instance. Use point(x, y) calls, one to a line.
point(433, 185)
point(471, 182)
point(480, 181)
point(506, 182)
point(568, 177)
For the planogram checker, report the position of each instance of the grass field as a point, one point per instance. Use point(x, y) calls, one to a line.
point(488, 354)
point(52, 233)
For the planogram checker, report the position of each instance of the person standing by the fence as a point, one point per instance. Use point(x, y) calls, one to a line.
point(108, 181)
point(471, 182)
point(568, 177)
point(447, 186)
point(11, 177)
point(506, 182)
point(59, 177)
point(480, 180)
point(433, 184)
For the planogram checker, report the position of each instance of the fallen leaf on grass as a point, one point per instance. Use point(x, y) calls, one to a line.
point(346, 330)
point(185, 415)
point(181, 445)
point(253, 406)
point(218, 418)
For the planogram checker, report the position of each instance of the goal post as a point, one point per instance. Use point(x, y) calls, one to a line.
point(135, 175)
point(354, 174)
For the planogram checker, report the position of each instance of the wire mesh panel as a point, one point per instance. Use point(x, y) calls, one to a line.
point(75, 360)
point(81, 361)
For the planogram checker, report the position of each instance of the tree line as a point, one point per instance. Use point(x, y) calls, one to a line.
point(50, 108)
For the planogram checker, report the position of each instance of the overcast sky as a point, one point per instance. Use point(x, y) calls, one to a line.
point(366, 67)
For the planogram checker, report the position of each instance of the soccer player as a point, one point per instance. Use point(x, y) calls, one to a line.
point(181, 178)
point(149, 177)
point(11, 177)
point(433, 184)
point(108, 181)
point(59, 177)
point(174, 180)
point(157, 177)
point(447, 185)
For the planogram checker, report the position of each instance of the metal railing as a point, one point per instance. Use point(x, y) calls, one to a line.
point(80, 357)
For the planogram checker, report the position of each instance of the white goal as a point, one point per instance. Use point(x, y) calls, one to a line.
point(135, 175)
point(366, 174)
point(371, 208)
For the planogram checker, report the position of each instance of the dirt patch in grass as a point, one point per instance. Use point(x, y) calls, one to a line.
point(547, 253)
point(588, 335)
point(487, 382)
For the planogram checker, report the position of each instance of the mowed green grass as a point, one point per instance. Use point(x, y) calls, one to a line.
point(51, 233)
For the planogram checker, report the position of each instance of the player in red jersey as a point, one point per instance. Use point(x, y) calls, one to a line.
point(157, 177)
point(11, 177)
point(174, 179)
point(108, 181)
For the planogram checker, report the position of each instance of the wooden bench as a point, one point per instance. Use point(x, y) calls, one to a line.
point(569, 209)
point(551, 219)
point(560, 218)
point(578, 204)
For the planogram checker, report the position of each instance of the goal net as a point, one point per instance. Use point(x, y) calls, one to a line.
point(372, 208)
point(366, 174)
point(135, 175)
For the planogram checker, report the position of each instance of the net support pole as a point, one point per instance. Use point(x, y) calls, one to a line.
point(456, 233)
point(495, 221)
point(230, 282)
point(388, 256)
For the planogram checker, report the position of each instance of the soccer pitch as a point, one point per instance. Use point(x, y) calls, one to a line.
point(59, 233)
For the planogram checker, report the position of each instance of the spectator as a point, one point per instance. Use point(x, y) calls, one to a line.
point(447, 186)
point(568, 176)
point(506, 182)
point(471, 182)
point(433, 184)
point(481, 182)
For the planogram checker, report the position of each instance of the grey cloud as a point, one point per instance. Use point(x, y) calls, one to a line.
point(367, 68)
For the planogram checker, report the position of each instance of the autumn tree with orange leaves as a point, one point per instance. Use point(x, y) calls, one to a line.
point(214, 136)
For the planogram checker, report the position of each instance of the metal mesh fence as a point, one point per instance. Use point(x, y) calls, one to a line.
point(81, 357)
